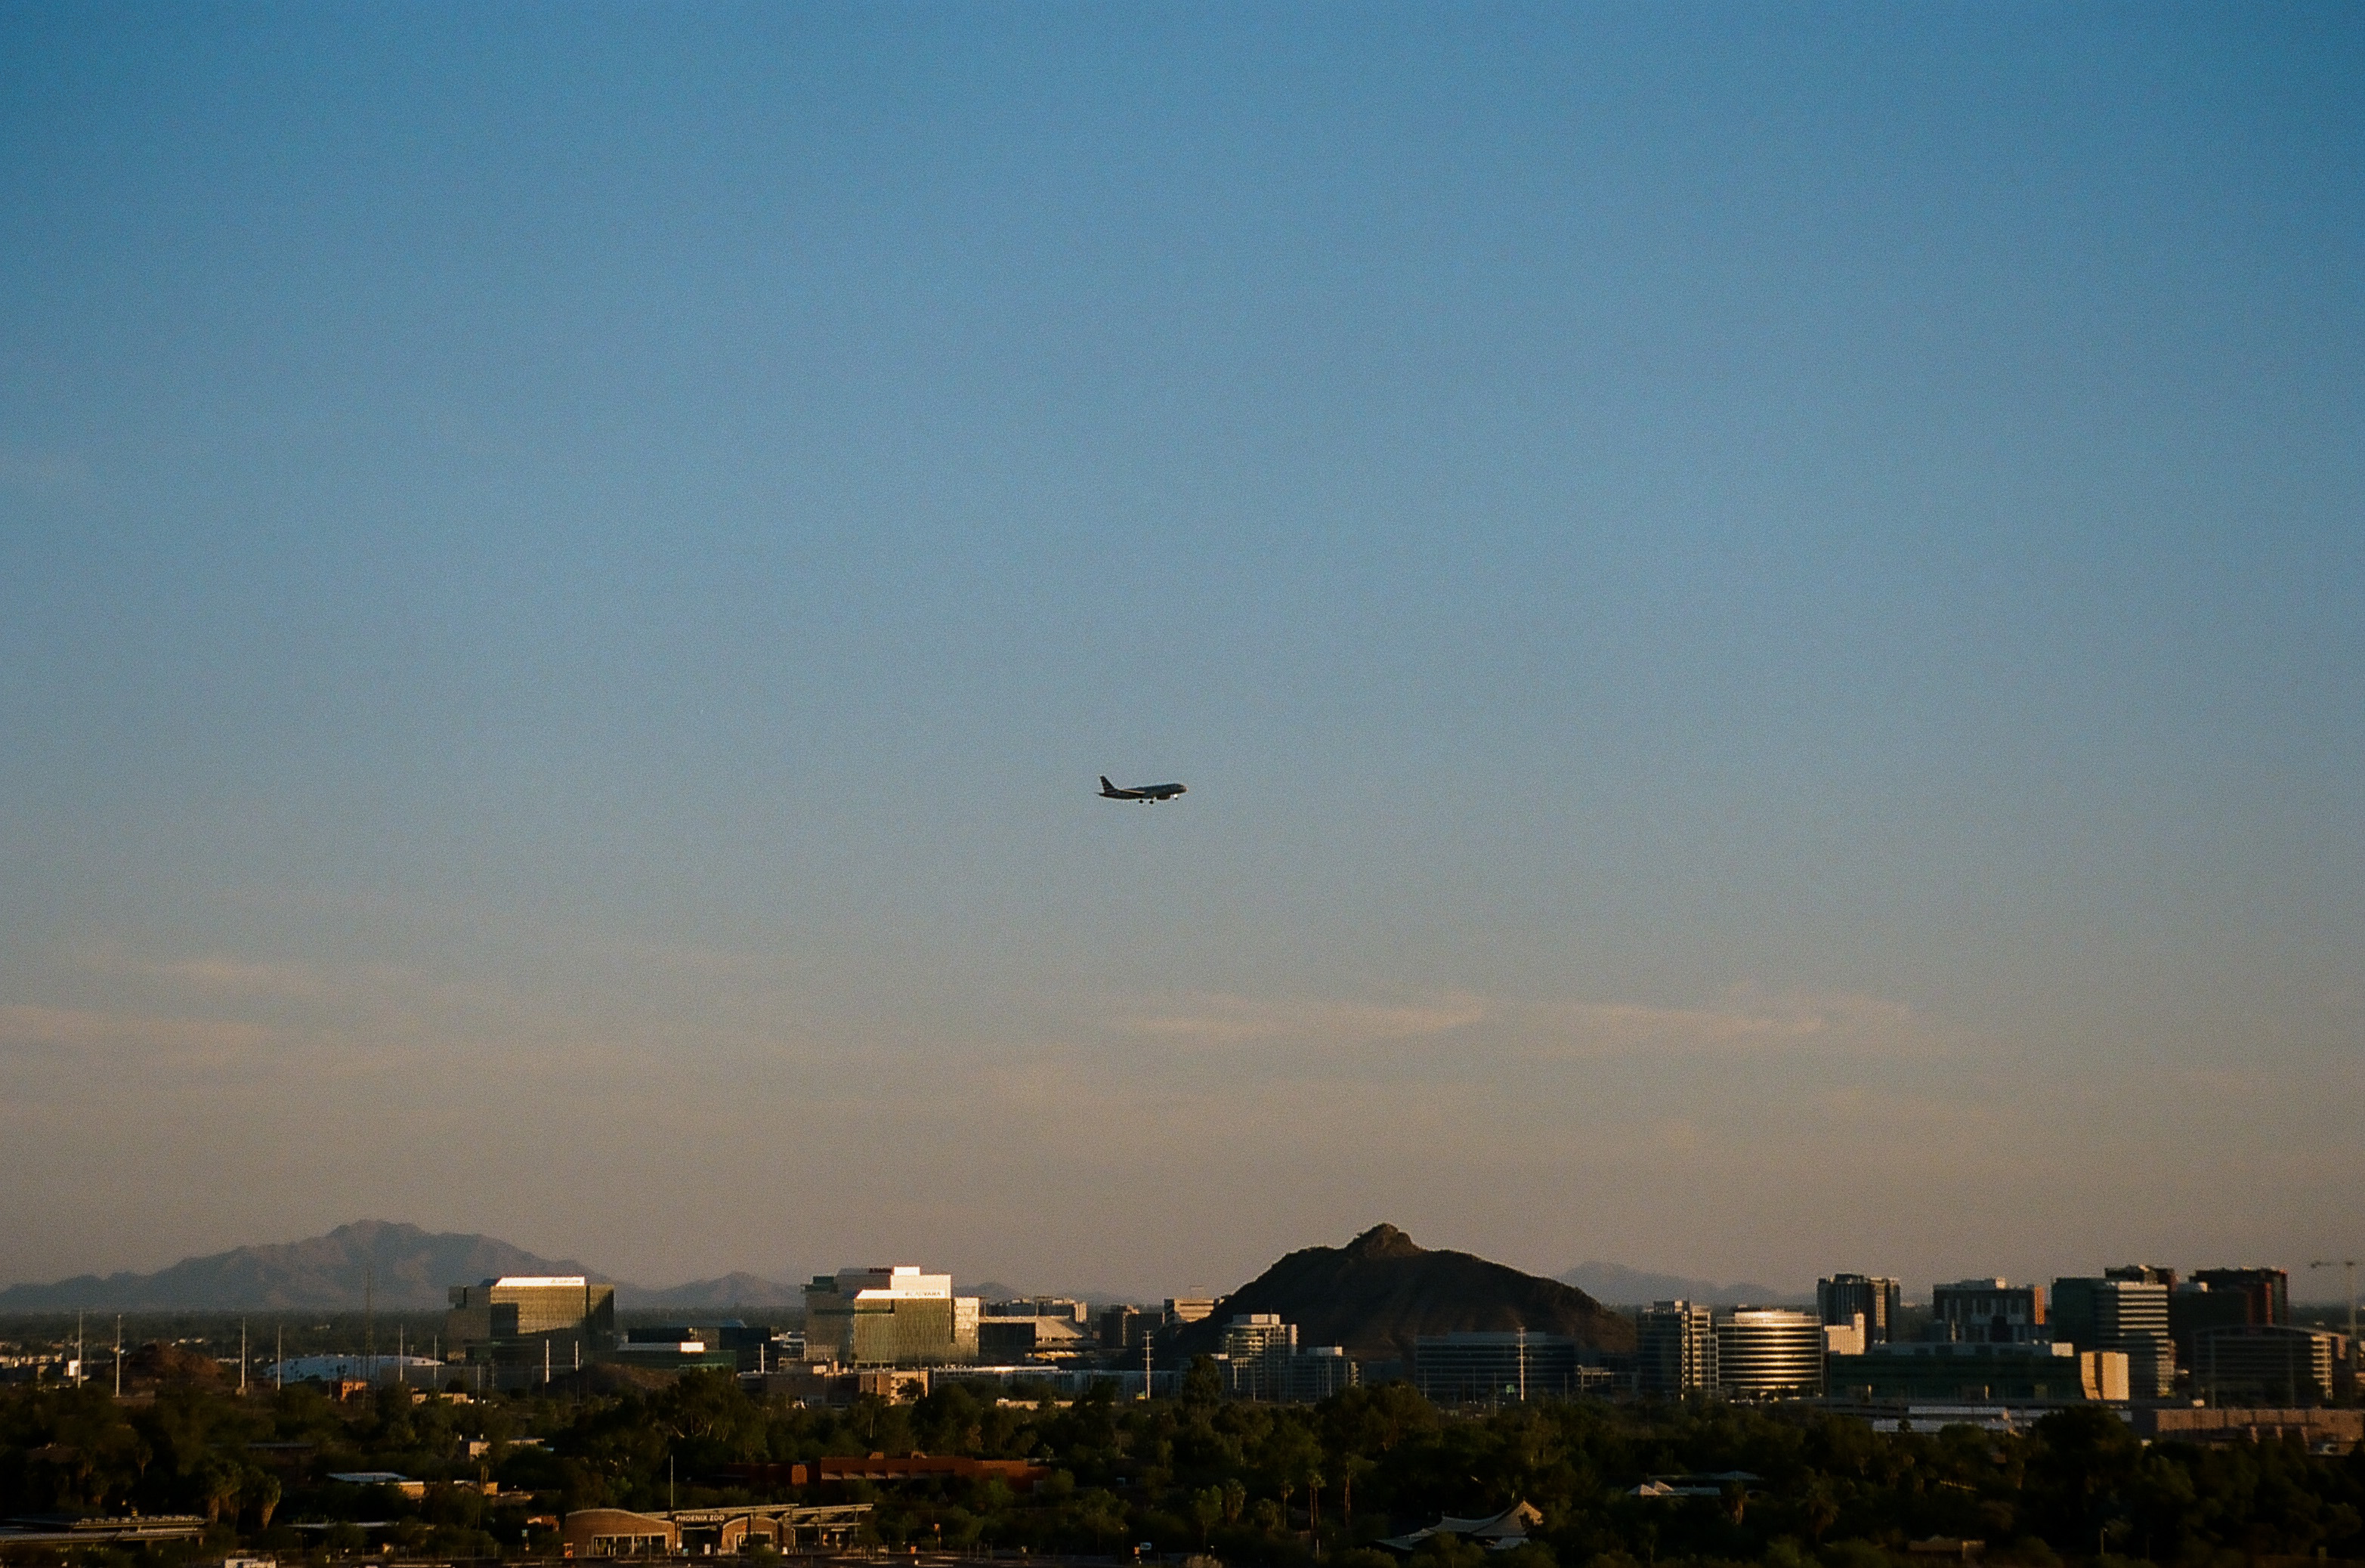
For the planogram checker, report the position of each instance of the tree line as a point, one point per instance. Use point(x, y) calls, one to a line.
point(1244, 1483)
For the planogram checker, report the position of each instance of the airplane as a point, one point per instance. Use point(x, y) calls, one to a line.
point(1148, 794)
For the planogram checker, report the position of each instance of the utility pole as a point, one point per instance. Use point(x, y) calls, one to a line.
point(279, 1359)
point(242, 1358)
point(118, 1355)
point(78, 1351)
point(2356, 1355)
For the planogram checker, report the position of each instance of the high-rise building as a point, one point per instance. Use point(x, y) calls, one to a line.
point(2142, 1274)
point(1769, 1354)
point(1839, 1300)
point(1675, 1350)
point(2120, 1315)
point(2267, 1290)
point(1988, 1312)
point(1182, 1309)
point(889, 1316)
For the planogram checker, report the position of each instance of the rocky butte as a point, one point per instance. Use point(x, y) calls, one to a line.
point(1381, 1292)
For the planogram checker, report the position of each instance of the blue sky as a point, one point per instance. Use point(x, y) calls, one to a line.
point(1763, 610)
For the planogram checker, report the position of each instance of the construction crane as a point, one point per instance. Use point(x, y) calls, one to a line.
point(2356, 1354)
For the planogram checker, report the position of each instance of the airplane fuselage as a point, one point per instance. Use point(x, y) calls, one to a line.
point(1148, 794)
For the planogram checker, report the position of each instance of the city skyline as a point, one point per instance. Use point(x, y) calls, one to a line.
point(1763, 612)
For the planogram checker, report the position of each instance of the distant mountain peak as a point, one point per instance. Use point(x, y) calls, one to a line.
point(1382, 1241)
point(398, 1267)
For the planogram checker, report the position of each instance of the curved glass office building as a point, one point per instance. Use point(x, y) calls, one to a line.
point(1769, 1354)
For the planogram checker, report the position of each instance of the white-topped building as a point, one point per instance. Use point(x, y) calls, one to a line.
point(892, 1314)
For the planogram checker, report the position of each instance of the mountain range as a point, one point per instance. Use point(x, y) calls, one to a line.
point(1377, 1291)
point(400, 1267)
point(1381, 1292)
point(1622, 1286)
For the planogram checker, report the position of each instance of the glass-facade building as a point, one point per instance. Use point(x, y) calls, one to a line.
point(1988, 1312)
point(1841, 1299)
point(2039, 1371)
point(1497, 1368)
point(889, 1316)
point(2267, 1362)
point(1769, 1354)
point(2120, 1315)
point(1675, 1350)
point(562, 1320)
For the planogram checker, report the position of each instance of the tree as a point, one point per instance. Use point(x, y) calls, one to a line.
point(1202, 1386)
point(262, 1493)
point(1206, 1507)
point(216, 1483)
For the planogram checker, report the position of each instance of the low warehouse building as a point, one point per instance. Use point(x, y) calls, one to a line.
point(784, 1527)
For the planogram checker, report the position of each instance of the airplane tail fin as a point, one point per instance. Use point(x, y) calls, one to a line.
point(1108, 788)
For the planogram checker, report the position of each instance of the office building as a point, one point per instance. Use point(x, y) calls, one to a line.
point(525, 1320)
point(1988, 1312)
point(1011, 1337)
point(2195, 1305)
point(2142, 1274)
point(1315, 1373)
point(1769, 1354)
point(1256, 1333)
point(1255, 1347)
point(889, 1316)
point(1675, 1350)
point(2043, 1371)
point(1054, 1306)
point(684, 1347)
point(1496, 1368)
point(1182, 1309)
point(2120, 1315)
point(1266, 1361)
point(1847, 1338)
point(2269, 1364)
point(1124, 1328)
point(2267, 1292)
point(1876, 1298)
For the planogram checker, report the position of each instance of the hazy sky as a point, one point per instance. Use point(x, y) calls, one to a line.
point(1764, 609)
